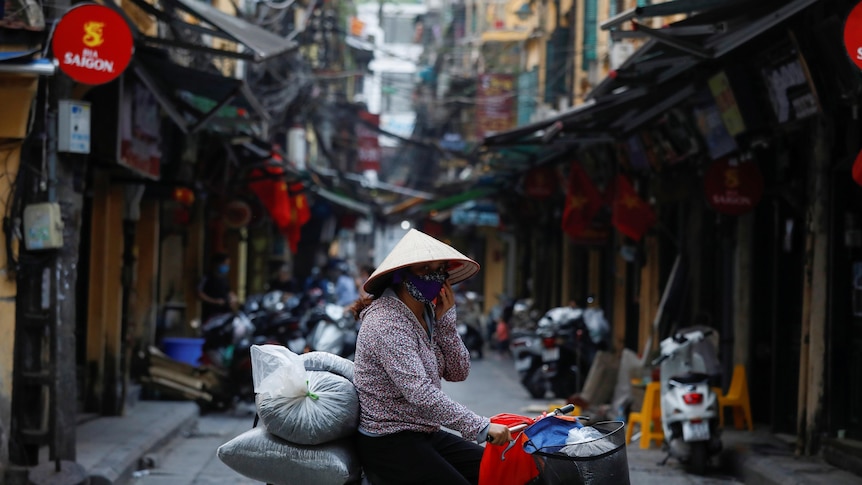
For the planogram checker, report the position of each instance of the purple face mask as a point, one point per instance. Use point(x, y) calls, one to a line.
point(426, 287)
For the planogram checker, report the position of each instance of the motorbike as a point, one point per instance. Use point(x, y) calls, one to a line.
point(689, 406)
point(526, 349)
point(469, 322)
point(277, 318)
point(331, 329)
point(228, 338)
point(567, 350)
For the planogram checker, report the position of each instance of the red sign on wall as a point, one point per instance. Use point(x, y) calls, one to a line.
point(733, 186)
point(853, 35)
point(93, 44)
point(369, 147)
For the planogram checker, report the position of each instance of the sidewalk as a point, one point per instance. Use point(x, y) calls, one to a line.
point(110, 448)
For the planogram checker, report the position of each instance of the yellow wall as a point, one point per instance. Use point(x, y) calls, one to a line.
point(493, 268)
point(10, 158)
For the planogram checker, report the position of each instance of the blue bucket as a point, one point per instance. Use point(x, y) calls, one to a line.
point(187, 350)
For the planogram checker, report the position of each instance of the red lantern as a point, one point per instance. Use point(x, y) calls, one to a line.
point(857, 169)
point(184, 196)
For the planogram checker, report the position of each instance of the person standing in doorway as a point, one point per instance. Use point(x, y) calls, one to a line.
point(214, 289)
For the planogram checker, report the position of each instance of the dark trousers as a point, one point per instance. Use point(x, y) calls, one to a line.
point(420, 458)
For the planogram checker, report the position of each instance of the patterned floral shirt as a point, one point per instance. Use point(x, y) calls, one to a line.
point(398, 367)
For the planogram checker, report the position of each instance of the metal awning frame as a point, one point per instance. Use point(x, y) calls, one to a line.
point(259, 44)
point(175, 107)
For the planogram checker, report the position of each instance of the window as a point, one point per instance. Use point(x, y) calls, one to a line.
point(397, 92)
point(398, 30)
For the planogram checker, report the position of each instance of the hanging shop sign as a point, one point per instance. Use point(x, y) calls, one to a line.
point(237, 214)
point(140, 138)
point(92, 44)
point(541, 183)
point(788, 82)
point(719, 86)
point(733, 185)
point(495, 105)
point(853, 35)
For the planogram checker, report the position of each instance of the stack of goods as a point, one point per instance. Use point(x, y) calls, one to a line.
point(309, 412)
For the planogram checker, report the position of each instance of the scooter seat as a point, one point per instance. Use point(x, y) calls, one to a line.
point(691, 378)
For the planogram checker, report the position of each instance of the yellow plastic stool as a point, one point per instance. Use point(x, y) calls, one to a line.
point(649, 417)
point(737, 399)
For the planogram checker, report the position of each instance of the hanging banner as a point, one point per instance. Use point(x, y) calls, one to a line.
point(369, 146)
point(92, 44)
point(541, 183)
point(495, 104)
point(733, 186)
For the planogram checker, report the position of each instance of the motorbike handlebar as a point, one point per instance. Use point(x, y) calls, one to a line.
point(565, 409)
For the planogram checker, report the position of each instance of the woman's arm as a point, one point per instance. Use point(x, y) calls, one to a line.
point(455, 365)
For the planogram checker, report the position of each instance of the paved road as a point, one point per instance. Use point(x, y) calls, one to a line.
point(492, 388)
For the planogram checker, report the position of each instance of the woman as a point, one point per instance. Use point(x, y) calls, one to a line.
point(408, 342)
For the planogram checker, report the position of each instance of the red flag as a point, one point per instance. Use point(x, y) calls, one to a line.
point(301, 212)
point(271, 188)
point(299, 215)
point(630, 214)
point(583, 201)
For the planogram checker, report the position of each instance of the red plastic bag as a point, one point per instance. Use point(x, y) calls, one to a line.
point(502, 331)
point(515, 467)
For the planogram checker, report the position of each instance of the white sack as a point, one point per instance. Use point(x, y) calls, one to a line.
point(278, 371)
point(328, 411)
point(307, 407)
point(328, 362)
point(259, 455)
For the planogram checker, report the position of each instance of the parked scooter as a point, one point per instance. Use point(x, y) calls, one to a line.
point(228, 339)
point(567, 350)
point(332, 329)
point(689, 406)
point(526, 349)
point(277, 318)
point(470, 322)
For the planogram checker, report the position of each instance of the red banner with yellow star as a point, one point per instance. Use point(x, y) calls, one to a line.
point(583, 201)
point(270, 187)
point(631, 215)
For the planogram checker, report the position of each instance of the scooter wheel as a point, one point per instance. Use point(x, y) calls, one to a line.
point(535, 383)
point(699, 457)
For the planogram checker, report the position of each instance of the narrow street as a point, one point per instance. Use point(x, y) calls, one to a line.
point(492, 388)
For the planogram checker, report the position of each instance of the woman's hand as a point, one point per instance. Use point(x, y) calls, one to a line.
point(445, 300)
point(499, 434)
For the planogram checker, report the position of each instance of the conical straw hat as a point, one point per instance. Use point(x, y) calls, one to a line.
point(417, 247)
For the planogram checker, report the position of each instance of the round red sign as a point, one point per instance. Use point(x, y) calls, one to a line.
point(853, 35)
point(93, 44)
point(733, 186)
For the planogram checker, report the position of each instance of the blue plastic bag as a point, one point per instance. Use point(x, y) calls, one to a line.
point(549, 433)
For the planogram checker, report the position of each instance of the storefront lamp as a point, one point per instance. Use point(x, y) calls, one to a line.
point(184, 196)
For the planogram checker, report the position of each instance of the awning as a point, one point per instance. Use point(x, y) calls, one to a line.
point(260, 43)
point(341, 200)
point(193, 98)
point(505, 35)
point(655, 77)
point(22, 62)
